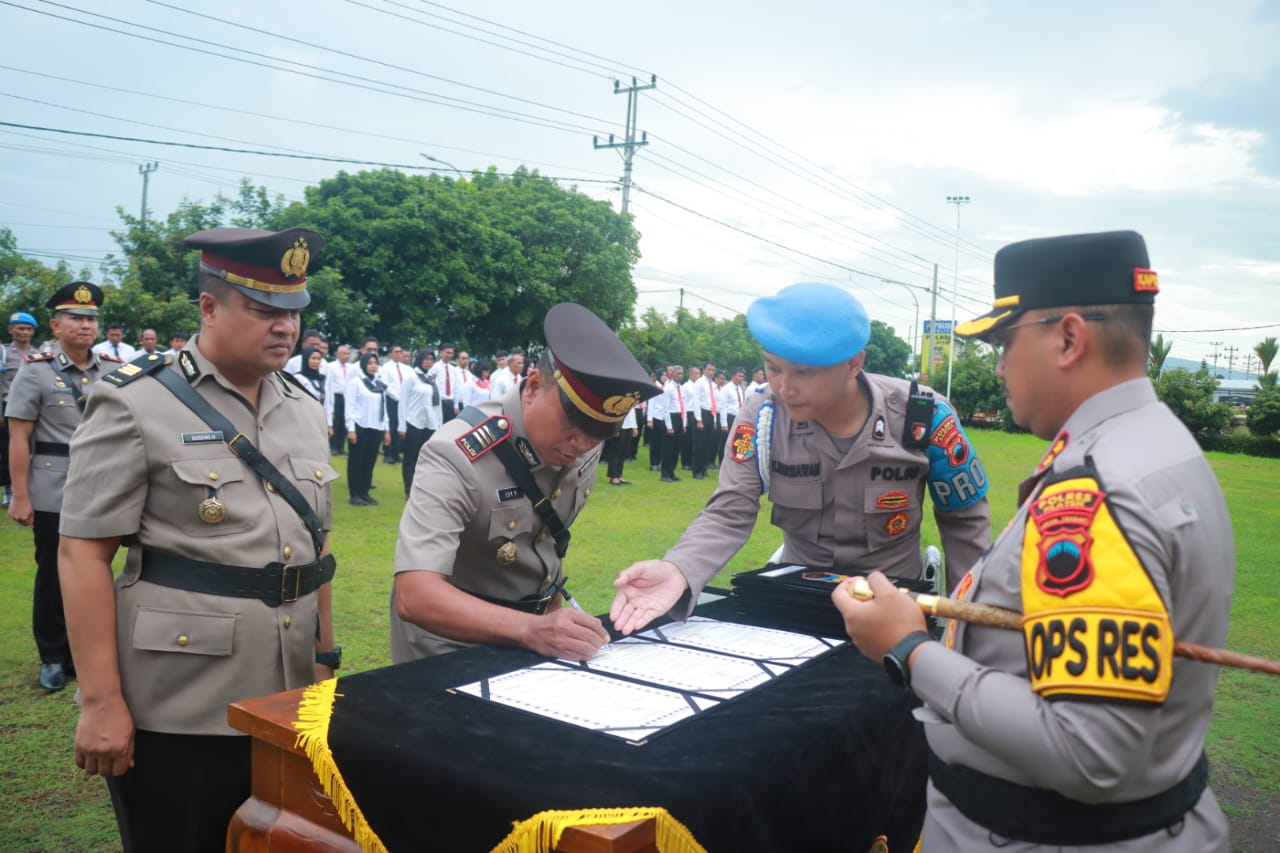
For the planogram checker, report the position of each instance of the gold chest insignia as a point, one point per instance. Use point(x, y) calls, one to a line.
point(212, 511)
point(507, 553)
point(294, 263)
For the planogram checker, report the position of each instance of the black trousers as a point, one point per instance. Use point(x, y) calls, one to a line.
point(657, 438)
point(338, 441)
point(448, 410)
point(686, 440)
point(48, 622)
point(391, 452)
point(361, 460)
point(671, 444)
point(705, 438)
point(181, 792)
point(414, 438)
point(615, 453)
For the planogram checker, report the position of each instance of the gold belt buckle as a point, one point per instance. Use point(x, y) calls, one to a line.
point(284, 582)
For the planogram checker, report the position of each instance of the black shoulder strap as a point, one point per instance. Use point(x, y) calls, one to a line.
point(245, 449)
point(519, 471)
point(919, 420)
point(59, 365)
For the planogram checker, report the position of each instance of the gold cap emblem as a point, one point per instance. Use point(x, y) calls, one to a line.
point(294, 263)
point(621, 404)
point(82, 295)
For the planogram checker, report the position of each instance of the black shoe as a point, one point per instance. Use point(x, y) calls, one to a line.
point(53, 677)
point(699, 476)
point(655, 468)
point(672, 479)
point(713, 467)
point(360, 501)
point(620, 482)
point(373, 487)
point(368, 501)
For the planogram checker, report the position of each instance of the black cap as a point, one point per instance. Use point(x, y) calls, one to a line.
point(78, 297)
point(1107, 268)
point(599, 379)
point(267, 266)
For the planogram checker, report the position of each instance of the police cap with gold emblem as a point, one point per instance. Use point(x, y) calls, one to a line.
point(267, 266)
point(598, 377)
point(1107, 268)
point(78, 297)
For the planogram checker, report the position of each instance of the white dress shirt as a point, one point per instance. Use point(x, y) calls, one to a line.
point(363, 407)
point(121, 350)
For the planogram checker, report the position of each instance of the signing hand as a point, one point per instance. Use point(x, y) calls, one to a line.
point(646, 590)
point(566, 633)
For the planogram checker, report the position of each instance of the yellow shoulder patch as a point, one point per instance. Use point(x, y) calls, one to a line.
point(1094, 624)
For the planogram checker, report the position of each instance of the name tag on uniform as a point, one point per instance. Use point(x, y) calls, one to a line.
point(514, 493)
point(202, 437)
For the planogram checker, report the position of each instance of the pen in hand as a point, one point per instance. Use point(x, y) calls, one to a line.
point(573, 602)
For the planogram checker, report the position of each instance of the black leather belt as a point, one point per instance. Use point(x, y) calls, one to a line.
point(535, 604)
point(273, 585)
point(53, 448)
point(1041, 816)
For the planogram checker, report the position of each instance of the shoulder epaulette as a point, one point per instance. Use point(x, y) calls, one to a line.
point(38, 356)
point(140, 366)
point(287, 378)
point(484, 436)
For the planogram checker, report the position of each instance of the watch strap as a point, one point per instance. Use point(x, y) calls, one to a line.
point(896, 660)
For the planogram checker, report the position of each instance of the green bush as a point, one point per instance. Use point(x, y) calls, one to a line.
point(1265, 446)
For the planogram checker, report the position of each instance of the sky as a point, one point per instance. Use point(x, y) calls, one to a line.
point(806, 141)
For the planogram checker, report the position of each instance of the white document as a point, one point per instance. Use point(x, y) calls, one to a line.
point(682, 668)
point(763, 644)
point(597, 702)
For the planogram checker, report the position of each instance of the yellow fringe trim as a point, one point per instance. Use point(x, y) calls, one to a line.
point(541, 833)
point(314, 712)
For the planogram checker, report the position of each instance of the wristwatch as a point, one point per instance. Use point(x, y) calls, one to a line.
point(895, 660)
point(332, 659)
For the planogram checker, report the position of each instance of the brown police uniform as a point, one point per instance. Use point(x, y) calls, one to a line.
point(475, 512)
point(147, 467)
point(466, 518)
point(853, 509)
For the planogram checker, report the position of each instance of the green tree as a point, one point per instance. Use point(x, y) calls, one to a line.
point(974, 384)
point(1159, 352)
point(1264, 412)
point(887, 353)
point(26, 283)
point(1190, 396)
point(478, 262)
point(692, 339)
point(1266, 353)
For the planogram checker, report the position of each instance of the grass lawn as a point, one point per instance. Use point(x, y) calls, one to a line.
point(49, 806)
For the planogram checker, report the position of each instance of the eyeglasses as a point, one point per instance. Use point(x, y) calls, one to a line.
point(1001, 340)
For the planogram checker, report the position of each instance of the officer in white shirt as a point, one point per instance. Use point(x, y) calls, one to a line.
point(419, 412)
point(393, 372)
point(114, 345)
point(505, 378)
point(335, 410)
point(447, 380)
point(656, 410)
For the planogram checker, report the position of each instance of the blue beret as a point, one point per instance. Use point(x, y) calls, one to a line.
point(22, 317)
point(810, 323)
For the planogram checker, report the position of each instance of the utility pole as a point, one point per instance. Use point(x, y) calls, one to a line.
point(1231, 359)
point(957, 200)
point(629, 145)
point(145, 170)
point(1215, 345)
point(933, 331)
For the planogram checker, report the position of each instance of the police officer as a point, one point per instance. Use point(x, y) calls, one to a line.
point(486, 525)
point(1082, 730)
point(22, 328)
point(225, 591)
point(44, 409)
point(845, 457)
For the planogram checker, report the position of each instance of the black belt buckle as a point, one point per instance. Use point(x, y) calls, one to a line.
point(285, 571)
point(232, 443)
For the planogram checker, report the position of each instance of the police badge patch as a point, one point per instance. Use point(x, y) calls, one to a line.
point(744, 442)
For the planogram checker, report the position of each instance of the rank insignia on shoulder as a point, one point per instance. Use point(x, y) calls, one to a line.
point(485, 436)
point(527, 452)
point(38, 356)
point(188, 364)
point(878, 430)
point(126, 373)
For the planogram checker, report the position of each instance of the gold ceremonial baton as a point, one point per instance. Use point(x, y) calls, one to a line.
point(1002, 617)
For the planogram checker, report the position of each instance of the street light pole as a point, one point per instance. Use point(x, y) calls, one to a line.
point(957, 200)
